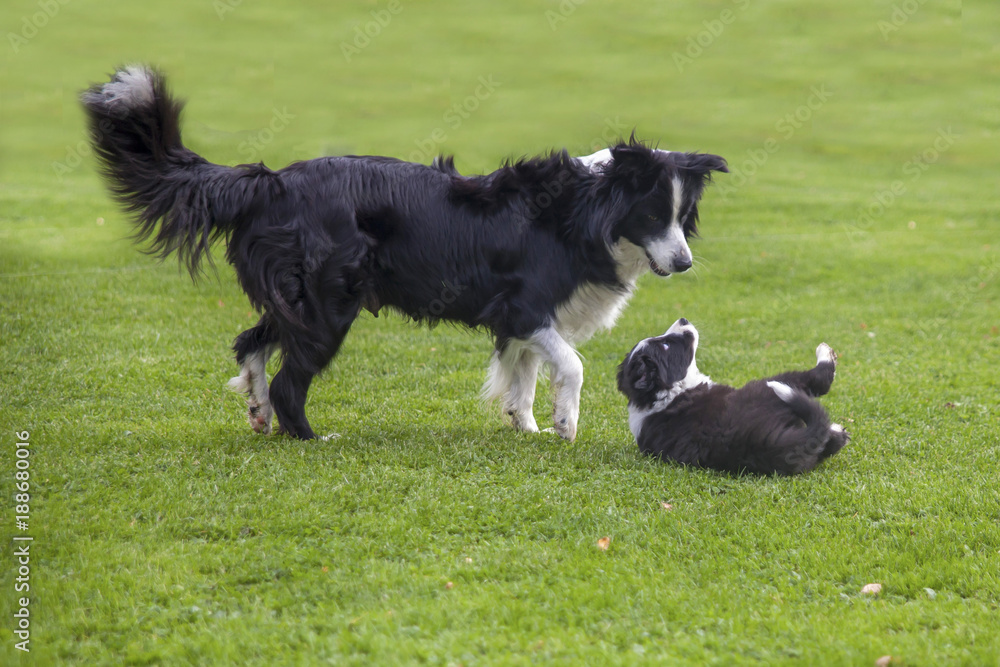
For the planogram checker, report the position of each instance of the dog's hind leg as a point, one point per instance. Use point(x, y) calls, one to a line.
point(304, 359)
point(254, 348)
point(288, 393)
point(512, 377)
point(836, 441)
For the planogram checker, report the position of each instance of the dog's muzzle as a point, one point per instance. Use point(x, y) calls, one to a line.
point(655, 268)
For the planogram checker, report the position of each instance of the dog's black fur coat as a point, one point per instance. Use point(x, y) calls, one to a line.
point(318, 240)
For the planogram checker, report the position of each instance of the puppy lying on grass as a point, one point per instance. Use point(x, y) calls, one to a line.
point(770, 426)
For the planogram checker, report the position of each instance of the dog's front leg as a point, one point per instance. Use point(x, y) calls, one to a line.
point(521, 396)
point(567, 378)
point(512, 377)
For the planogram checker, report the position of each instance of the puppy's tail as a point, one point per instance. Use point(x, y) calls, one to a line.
point(179, 200)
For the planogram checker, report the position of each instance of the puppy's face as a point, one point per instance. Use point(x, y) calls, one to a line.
point(659, 364)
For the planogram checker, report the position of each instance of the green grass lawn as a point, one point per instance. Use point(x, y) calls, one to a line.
point(861, 211)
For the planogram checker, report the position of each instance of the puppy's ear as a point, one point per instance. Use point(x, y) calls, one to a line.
point(645, 376)
point(638, 373)
point(633, 168)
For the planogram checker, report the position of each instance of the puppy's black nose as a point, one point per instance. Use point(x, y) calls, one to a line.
point(681, 264)
point(683, 322)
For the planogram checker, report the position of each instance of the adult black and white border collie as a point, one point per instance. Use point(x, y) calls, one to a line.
point(771, 426)
point(541, 253)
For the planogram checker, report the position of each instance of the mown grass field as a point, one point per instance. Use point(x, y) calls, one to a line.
point(861, 211)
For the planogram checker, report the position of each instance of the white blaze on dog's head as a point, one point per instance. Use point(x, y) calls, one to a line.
point(669, 252)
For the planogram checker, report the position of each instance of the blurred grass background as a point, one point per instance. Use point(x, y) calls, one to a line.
point(167, 533)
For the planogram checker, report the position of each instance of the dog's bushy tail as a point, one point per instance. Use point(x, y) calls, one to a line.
point(179, 200)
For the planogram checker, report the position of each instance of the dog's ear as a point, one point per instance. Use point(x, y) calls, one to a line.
point(704, 164)
point(627, 178)
point(634, 168)
point(637, 373)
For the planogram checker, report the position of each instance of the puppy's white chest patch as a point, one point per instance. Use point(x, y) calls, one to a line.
point(636, 417)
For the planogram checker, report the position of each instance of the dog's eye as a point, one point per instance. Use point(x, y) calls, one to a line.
point(653, 218)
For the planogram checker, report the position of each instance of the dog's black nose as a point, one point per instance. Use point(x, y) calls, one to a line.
point(683, 322)
point(681, 264)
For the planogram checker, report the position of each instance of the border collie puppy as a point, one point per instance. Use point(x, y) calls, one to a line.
point(766, 427)
point(541, 253)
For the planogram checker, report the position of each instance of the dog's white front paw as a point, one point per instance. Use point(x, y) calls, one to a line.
point(825, 353)
point(553, 429)
point(565, 425)
point(523, 421)
point(567, 431)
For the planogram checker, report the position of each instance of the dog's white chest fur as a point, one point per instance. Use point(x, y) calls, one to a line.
point(595, 307)
point(591, 308)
